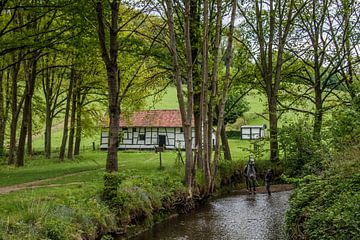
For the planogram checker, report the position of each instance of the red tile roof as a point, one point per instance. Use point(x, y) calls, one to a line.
point(153, 118)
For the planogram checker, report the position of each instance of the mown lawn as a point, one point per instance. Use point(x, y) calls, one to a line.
point(39, 168)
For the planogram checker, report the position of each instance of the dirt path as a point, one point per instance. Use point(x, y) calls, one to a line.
point(41, 183)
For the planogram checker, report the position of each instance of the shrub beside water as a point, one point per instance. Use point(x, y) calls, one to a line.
point(302, 154)
point(327, 206)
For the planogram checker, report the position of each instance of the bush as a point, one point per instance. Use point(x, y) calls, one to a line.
point(345, 128)
point(302, 155)
point(111, 185)
point(327, 207)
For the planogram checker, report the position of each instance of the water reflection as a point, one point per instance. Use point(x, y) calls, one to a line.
point(231, 218)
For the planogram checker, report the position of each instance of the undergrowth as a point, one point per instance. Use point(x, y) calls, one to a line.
point(327, 206)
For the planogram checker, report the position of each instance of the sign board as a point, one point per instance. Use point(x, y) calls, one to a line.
point(159, 149)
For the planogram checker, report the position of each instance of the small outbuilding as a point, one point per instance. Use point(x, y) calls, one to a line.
point(150, 129)
point(251, 132)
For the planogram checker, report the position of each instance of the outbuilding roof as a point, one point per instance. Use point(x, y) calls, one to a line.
point(154, 118)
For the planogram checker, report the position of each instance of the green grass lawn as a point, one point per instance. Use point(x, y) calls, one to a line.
point(167, 101)
point(39, 168)
point(71, 207)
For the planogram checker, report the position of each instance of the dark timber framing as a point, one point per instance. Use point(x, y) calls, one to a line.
point(130, 139)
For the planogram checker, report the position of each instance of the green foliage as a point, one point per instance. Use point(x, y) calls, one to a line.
point(257, 148)
point(234, 108)
point(327, 207)
point(111, 184)
point(302, 155)
point(345, 128)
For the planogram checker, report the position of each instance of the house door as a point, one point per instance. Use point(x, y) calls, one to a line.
point(162, 140)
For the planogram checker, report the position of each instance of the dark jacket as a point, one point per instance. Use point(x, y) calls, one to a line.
point(269, 176)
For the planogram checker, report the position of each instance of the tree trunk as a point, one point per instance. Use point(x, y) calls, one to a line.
point(273, 120)
point(110, 58)
point(220, 117)
point(66, 119)
point(47, 88)
point(188, 113)
point(214, 78)
point(186, 110)
point(48, 134)
point(318, 112)
point(112, 158)
point(78, 123)
point(15, 110)
point(204, 100)
point(317, 82)
point(29, 133)
point(70, 154)
point(6, 109)
point(194, 34)
point(2, 116)
point(30, 86)
point(225, 144)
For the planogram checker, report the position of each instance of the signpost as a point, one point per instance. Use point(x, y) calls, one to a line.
point(159, 150)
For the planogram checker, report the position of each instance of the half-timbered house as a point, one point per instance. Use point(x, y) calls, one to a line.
point(149, 129)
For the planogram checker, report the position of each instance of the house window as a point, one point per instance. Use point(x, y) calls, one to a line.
point(142, 137)
point(125, 129)
point(134, 129)
point(181, 130)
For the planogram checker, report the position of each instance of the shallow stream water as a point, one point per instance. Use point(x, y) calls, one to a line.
point(235, 217)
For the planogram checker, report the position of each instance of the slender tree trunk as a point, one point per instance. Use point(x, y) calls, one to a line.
point(70, 154)
point(30, 86)
point(204, 99)
point(228, 63)
point(6, 109)
point(47, 88)
point(225, 144)
point(29, 133)
point(186, 110)
point(78, 123)
point(48, 135)
point(52, 92)
point(2, 116)
point(190, 166)
point(318, 106)
point(15, 110)
point(214, 77)
point(66, 119)
point(317, 80)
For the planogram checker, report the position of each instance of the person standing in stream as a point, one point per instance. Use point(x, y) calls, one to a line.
point(268, 178)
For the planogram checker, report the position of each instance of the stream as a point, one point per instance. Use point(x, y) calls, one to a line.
point(230, 218)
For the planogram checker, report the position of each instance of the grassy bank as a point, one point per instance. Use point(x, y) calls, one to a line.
point(327, 207)
point(66, 203)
